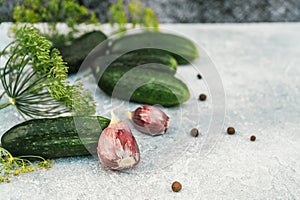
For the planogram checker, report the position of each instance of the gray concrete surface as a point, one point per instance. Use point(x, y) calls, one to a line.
point(259, 68)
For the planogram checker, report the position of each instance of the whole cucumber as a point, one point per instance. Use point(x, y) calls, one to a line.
point(143, 85)
point(55, 137)
point(181, 48)
point(157, 59)
point(75, 53)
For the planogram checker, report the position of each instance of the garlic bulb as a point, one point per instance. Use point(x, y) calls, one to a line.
point(117, 147)
point(149, 120)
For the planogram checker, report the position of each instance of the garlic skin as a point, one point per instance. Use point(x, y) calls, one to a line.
point(150, 120)
point(117, 147)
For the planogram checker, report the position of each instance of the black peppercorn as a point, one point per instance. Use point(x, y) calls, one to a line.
point(202, 97)
point(194, 132)
point(199, 76)
point(252, 138)
point(176, 186)
point(230, 130)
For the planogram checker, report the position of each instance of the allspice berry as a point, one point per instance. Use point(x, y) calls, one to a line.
point(176, 186)
point(202, 97)
point(230, 130)
point(252, 138)
point(194, 132)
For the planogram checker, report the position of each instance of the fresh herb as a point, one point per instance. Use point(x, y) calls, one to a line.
point(34, 79)
point(135, 13)
point(72, 13)
point(53, 12)
point(118, 15)
point(14, 166)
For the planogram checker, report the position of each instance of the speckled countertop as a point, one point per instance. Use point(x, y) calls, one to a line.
point(259, 68)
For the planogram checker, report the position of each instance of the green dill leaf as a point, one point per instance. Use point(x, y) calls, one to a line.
point(14, 166)
point(150, 19)
point(118, 15)
point(34, 78)
point(134, 13)
point(53, 12)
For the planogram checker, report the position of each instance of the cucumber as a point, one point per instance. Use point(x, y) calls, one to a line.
point(55, 137)
point(156, 59)
point(143, 85)
point(75, 53)
point(183, 49)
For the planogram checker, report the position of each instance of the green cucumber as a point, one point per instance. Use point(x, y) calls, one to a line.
point(143, 85)
point(183, 49)
point(55, 137)
point(75, 53)
point(156, 59)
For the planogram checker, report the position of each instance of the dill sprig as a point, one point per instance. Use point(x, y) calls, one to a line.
point(135, 13)
point(34, 79)
point(14, 166)
point(53, 12)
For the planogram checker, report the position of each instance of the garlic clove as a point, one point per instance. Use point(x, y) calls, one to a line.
point(150, 120)
point(117, 147)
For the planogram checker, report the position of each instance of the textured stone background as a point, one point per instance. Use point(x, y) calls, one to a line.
point(193, 11)
point(259, 68)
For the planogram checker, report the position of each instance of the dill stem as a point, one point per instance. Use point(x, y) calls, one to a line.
point(4, 105)
point(1, 95)
point(32, 156)
point(5, 151)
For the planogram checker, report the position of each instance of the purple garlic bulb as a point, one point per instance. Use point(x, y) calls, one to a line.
point(117, 147)
point(150, 120)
